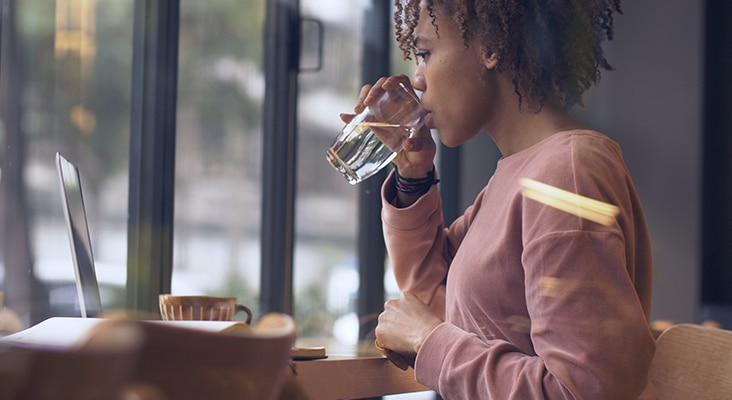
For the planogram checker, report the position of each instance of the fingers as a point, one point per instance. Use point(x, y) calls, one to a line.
point(360, 106)
point(412, 145)
point(394, 80)
point(369, 93)
point(347, 117)
point(395, 358)
point(421, 140)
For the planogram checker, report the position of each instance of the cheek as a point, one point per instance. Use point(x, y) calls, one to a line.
point(461, 117)
point(454, 95)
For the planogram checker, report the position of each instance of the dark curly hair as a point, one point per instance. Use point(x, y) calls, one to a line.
point(550, 47)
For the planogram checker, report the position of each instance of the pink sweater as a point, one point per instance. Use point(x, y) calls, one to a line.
point(537, 303)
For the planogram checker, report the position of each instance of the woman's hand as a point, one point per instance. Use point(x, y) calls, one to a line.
point(418, 152)
point(402, 328)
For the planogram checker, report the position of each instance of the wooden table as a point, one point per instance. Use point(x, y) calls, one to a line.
point(354, 373)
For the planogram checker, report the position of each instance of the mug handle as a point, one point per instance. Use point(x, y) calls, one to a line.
point(240, 307)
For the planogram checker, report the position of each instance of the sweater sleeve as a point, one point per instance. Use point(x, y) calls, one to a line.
point(415, 243)
point(555, 307)
point(419, 246)
point(587, 326)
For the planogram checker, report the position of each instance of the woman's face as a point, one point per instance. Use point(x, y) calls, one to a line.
point(454, 79)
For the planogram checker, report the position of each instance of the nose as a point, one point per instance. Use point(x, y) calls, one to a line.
point(418, 81)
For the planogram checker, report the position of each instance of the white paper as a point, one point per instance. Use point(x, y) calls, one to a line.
point(64, 332)
point(59, 332)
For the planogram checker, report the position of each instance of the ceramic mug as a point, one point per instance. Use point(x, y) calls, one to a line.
point(201, 308)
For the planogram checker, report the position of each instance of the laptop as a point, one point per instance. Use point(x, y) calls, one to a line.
point(90, 304)
point(87, 287)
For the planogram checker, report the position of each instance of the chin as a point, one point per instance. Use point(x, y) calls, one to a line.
point(455, 137)
point(448, 142)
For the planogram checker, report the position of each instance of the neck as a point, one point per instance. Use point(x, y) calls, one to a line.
point(520, 129)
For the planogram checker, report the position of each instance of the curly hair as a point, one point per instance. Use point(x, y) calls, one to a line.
point(551, 48)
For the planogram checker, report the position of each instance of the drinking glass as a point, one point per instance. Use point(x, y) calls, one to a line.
point(374, 137)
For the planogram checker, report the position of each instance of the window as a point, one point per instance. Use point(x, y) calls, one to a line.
point(218, 149)
point(69, 84)
point(75, 78)
point(66, 78)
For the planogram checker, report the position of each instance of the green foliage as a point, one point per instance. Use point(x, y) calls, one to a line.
point(311, 313)
point(211, 33)
point(220, 61)
point(236, 285)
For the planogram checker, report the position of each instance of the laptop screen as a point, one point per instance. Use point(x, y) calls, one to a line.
point(87, 288)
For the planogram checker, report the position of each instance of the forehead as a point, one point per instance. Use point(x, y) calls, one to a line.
point(435, 26)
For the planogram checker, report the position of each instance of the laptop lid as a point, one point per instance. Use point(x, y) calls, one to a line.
point(87, 287)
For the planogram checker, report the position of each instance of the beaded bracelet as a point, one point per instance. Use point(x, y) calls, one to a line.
point(414, 186)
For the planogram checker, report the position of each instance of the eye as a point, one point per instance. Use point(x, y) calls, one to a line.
point(423, 54)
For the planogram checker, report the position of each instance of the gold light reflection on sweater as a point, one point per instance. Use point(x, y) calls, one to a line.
point(550, 287)
point(573, 203)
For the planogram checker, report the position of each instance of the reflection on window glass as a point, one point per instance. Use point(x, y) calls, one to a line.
point(66, 69)
point(218, 149)
point(326, 277)
point(326, 271)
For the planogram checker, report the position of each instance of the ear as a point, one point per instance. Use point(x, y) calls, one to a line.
point(490, 59)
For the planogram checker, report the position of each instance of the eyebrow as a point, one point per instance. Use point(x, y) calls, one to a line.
point(417, 40)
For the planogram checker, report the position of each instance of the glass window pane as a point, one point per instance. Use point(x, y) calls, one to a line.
point(218, 149)
point(66, 71)
point(325, 267)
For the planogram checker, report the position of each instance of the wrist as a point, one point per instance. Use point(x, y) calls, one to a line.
point(414, 171)
point(414, 186)
point(428, 329)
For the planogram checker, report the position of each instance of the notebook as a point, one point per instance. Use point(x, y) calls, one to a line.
point(87, 287)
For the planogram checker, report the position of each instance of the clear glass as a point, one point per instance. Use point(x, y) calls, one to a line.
point(218, 150)
point(66, 83)
point(325, 275)
point(371, 140)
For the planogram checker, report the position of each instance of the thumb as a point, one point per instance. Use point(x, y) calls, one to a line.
point(346, 117)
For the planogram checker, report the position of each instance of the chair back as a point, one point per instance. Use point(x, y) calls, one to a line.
point(148, 360)
point(184, 364)
point(98, 369)
point(693, 362)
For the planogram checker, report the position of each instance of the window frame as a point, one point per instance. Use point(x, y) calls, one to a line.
point(152, 159)
point(152, 152)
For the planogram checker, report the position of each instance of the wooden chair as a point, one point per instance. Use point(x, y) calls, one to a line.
point(181, 364)
point(146, 360)
point(99, 368)
point(693, 362)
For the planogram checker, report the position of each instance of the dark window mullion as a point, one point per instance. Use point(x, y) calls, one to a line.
point(281, 58)
point(371, 248)
point(152, 152)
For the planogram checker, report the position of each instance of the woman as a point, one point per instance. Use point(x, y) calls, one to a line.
point(516, 299)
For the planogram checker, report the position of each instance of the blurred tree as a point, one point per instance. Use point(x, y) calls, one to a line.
point(23, 293)
point(66, 79)
point(221, 65)
point(61, 91)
